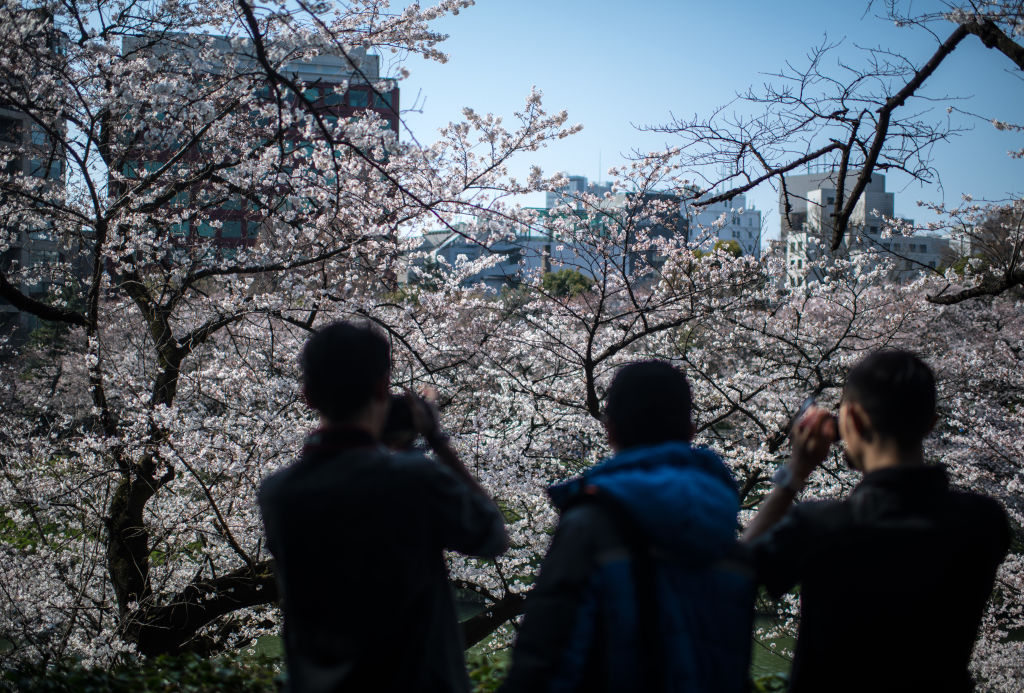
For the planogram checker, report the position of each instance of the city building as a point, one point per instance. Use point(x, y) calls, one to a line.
point(734, 220)
point(28, 152)
point(569, 194)
point(528, 250)
point(727, 221)
point(793, 198)
point(339, 87)
point(534, 250)
point(656, 215)
point(807, 233)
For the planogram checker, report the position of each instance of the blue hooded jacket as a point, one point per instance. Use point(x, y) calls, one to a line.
point(682, 502)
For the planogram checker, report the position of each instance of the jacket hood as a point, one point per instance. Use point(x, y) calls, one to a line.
point(682, 497)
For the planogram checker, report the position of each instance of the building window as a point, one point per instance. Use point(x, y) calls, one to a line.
point(358, 98)
point(10, 129)
point(333, 98)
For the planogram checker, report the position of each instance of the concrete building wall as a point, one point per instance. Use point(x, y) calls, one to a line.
point(339, 87)
point(576, 186)
point(28, 151)
point(728, 221)
point(866, 238)
point(797, 189)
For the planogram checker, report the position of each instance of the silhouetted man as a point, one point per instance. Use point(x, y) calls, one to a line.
point(358, 534)
point(893, 579)
point(640, 590)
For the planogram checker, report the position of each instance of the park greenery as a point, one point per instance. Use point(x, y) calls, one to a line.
point(138, 422)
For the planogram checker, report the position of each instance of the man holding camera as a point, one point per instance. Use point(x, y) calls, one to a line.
point(358, 533)
point(893, 579)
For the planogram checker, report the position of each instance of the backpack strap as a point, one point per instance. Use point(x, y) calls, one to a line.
point(650, 651)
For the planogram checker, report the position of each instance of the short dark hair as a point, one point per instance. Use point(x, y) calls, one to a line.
point(341, 365)
point(896, 389)
point(649, 402)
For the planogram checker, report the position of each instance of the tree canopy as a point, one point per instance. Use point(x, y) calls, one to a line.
point(135, 433)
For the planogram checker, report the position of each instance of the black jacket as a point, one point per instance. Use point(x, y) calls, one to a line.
point(893, 581)
point(358, 535)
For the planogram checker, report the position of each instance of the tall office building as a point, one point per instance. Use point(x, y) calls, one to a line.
point(570, 192)
point(339, 87)
point(808, 231)
point(733, 220)
point(32, 161)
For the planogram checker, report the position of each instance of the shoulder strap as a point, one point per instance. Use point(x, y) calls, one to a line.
point(650, 655)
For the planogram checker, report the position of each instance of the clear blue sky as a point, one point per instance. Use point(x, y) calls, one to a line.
point(616, 64)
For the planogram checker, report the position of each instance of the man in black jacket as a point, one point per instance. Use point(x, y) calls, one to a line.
point(358, 533)
point(893, 579)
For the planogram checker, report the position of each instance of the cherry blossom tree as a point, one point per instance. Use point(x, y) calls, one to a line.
point(131, 515)
point(138, 423)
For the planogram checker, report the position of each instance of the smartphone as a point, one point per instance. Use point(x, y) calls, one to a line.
point(810, 402)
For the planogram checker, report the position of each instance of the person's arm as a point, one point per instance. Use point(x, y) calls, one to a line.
point(553, 607)
point(428, 424)
point(472, 516)
point(442, 449)
point(813, 434)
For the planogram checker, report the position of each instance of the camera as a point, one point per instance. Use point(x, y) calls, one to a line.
point(811, 402)
point(399, 429)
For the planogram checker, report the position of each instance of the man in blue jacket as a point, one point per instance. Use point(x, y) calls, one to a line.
point(641, 589)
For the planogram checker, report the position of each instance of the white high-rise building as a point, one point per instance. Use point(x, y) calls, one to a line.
point(569, 193)
point(808, 231)
point(733, 220)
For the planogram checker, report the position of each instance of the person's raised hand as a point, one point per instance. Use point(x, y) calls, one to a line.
point(812, 436)
point(425, 418)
